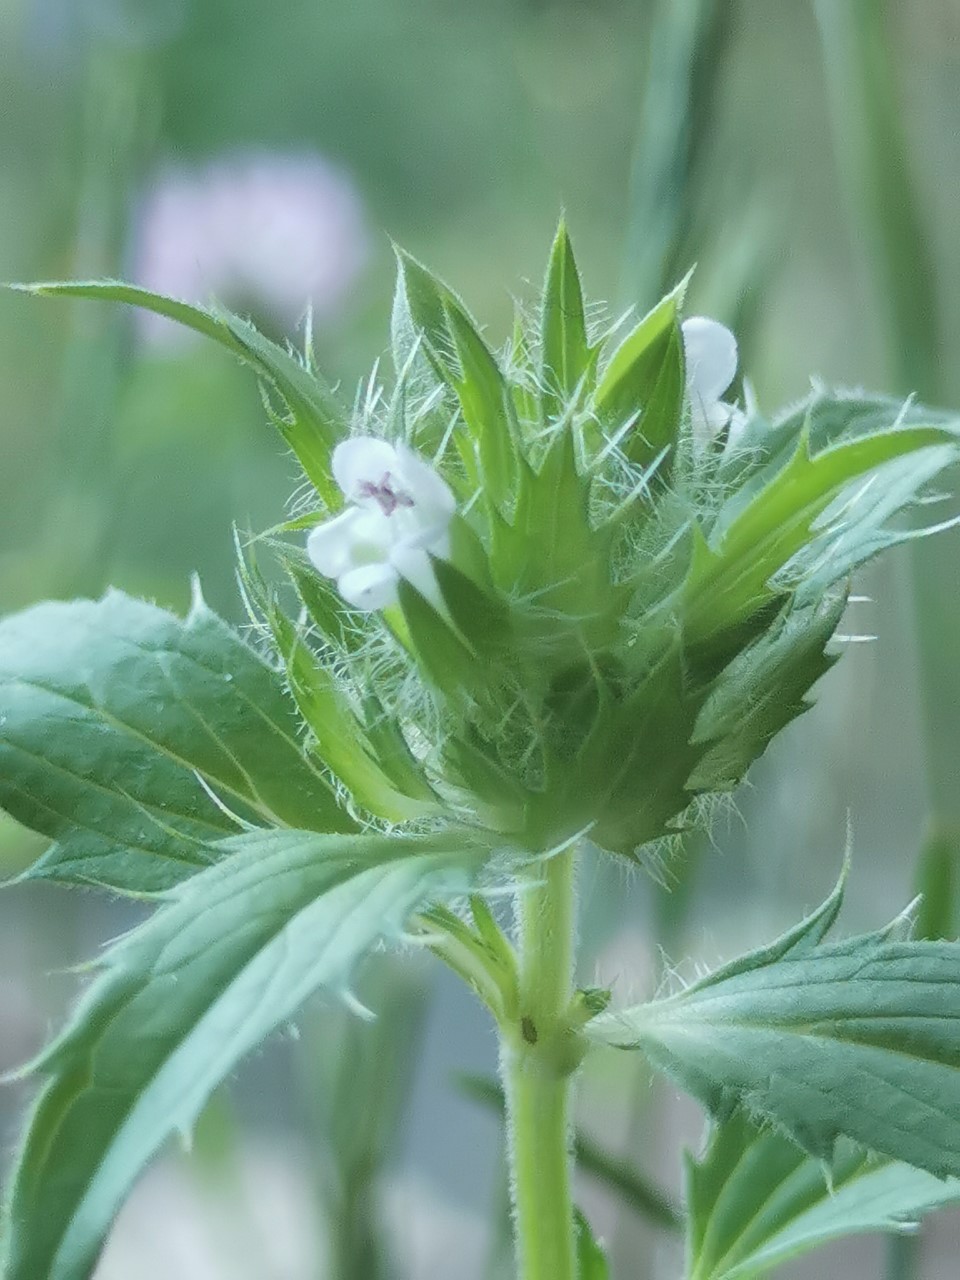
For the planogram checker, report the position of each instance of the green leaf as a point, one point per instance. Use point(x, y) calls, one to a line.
point(462, 359)
point(566, 351)
point(591, 1259)
point(340, 626)
point(422, 298)
point(761, 692)
point(445, 657)
point(643, 380)
point(314, 420)
point(637, 763)
point(130, 737)
point(183, 998)
point(550, 554)
point(755, 1200)
point(487, 406)
point(828, 417)
point(858, 1039)
point(338, 736)
point(764, 526)
point(480, 617)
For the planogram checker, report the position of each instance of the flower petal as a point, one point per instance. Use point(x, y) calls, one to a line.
point(415, 565)
point(372, 535)
point(431, 494)
point(710, 352)
point(410, 531)
point(330, 545)
point(370, 587)
point(362, 460)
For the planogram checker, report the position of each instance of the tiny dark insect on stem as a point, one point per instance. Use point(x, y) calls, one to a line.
point(529, 1029)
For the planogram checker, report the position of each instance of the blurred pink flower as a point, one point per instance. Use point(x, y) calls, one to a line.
point(265, 231)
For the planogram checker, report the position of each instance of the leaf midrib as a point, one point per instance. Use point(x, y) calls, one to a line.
point(111, 718)
point(131, 1098)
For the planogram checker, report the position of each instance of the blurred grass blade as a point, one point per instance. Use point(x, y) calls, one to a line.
point(936, 883)
point(355, 1076)
point(873, 166)
point(885, 214)
point(685, 58)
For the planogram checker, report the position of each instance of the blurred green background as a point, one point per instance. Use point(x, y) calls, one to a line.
point(806, 156)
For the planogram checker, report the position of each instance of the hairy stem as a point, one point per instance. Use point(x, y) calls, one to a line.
point(539, 1056)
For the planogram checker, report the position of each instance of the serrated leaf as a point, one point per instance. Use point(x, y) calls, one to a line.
point(857, 1039)
point(761, 692)
point(566, 351)
point(183, 998)
point(827, 417)
point(755, 1200)
point(122, 726)
point(315, 422)
point(758, 532)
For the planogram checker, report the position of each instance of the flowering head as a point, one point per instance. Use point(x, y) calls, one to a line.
point(611, 586)
point(568, 585)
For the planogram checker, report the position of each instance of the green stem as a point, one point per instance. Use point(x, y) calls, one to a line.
point(903, 1254)
point(539, 1056)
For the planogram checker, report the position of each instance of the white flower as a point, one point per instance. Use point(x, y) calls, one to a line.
point(710, 355)
point(399, 515)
